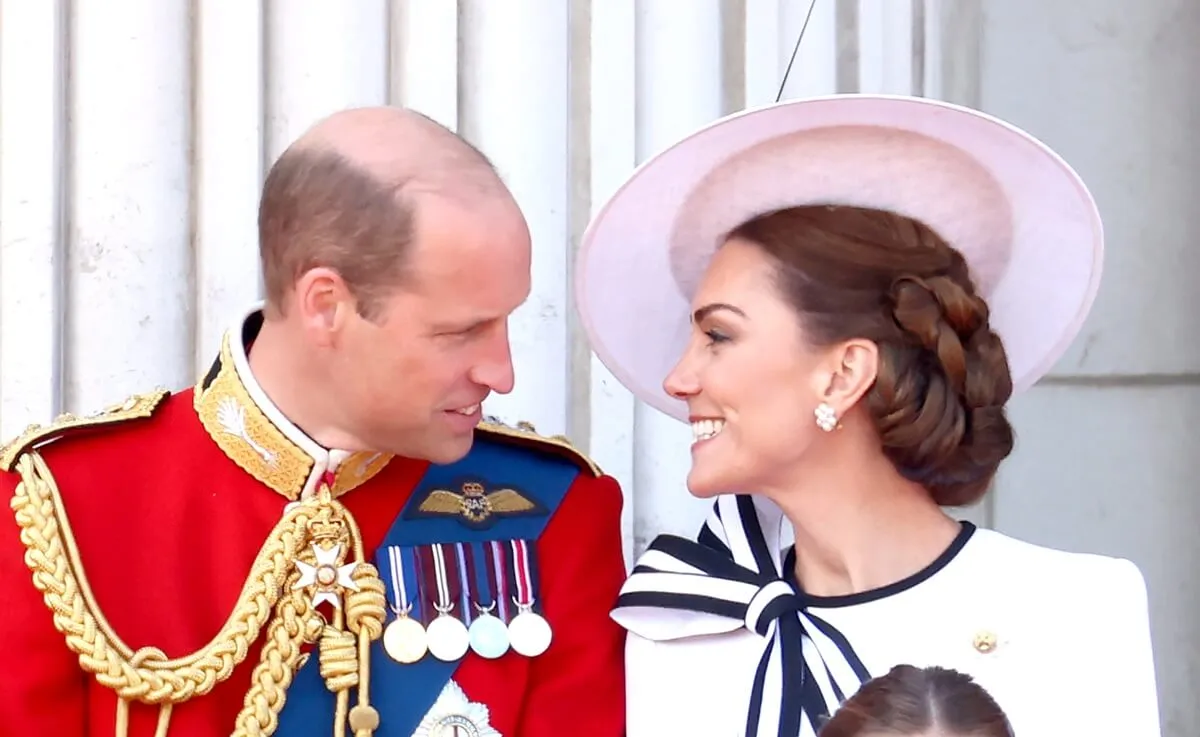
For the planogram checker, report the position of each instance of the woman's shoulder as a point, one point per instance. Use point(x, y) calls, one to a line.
point(1063, 621)
point(1033, 561)
point(1037, 566)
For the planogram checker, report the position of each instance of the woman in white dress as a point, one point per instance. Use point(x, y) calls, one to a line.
point(840, 295)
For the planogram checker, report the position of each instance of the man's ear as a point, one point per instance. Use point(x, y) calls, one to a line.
point(323, 304)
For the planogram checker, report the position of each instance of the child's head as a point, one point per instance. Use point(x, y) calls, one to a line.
point(919, 702)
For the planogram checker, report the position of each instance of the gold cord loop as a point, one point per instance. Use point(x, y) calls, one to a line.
point(339, 659)
point(277, 596)
point(366, 608)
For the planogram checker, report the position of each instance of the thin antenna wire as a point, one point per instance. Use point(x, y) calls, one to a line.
point(795, 48)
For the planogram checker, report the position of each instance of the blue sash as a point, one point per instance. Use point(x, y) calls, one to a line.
point(403, 694)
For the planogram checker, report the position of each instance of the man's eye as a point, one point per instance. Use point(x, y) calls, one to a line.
point(472, 329)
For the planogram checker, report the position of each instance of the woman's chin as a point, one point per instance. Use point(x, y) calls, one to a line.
point(706, 486)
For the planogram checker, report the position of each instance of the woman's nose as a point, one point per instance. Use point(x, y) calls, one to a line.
point(681, 381)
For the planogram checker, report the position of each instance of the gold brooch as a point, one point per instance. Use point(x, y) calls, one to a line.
point(985, 641)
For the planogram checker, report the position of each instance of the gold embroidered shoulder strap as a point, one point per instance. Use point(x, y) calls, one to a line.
point(137, 406)
point(525, 434)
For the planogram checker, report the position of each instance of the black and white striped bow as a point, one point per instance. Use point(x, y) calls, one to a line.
point(731, 577)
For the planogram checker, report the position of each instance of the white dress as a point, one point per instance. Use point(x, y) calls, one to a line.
point(1061, 640)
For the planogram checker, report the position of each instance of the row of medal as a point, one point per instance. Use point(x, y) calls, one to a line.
point(449, 598)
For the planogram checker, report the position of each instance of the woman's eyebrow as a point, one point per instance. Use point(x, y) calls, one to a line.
point(712, 307)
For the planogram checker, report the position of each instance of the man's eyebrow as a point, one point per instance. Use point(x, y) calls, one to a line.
point(708, 309)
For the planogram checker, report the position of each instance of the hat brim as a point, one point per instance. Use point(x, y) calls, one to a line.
point(1022, 217)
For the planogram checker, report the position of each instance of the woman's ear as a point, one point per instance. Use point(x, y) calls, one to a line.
point(847, 373)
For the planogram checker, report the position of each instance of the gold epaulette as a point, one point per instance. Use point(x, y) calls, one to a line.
point(525, 434)
point(137, 406)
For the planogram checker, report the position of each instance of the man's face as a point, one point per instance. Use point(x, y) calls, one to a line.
point(412, 378)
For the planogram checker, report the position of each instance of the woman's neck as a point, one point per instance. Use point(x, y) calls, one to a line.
point(859, 526)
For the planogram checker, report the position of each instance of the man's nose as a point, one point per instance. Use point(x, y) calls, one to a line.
point(495, 370)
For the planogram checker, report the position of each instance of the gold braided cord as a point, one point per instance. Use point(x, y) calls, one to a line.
point(366, 611)
point(338, 679)
point(339, 659)
point(342, 664)
point(295, 623)
point(148, 676)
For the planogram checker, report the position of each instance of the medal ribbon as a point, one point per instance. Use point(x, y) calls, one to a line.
point(427, 580)
point(399, 590)
point(521, 572)
point(499, 570)
point(403, 567)
point(485, 596)
point(445, 590)
point(464, 584)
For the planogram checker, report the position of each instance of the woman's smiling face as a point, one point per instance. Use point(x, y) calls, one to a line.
point(749, 378)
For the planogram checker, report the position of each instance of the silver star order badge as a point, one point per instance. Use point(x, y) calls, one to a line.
point(326, 576)
point(454, 715)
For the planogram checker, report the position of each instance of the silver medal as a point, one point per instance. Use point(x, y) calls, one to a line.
point(529, 633)
point(448, 637)
point(489, 636)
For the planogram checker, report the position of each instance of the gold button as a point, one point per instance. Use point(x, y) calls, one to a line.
point(364, 718)
point(985, 641)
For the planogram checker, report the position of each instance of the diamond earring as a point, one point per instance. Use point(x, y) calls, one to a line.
point(826, 417)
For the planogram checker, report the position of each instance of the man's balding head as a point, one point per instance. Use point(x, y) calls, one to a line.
point(343, 195)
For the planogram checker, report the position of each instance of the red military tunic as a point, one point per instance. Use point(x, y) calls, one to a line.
point(168, 512)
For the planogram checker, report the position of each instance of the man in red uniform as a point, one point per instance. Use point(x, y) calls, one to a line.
point(322, 535)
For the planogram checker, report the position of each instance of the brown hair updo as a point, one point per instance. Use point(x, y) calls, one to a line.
point(913, 701)
point(943, 378)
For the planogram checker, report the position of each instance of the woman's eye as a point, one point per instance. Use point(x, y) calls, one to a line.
point(715, 336)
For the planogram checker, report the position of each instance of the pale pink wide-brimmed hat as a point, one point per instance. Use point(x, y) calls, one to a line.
point(1021, 216)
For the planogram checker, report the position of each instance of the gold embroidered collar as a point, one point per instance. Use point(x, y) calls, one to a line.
point(254, 434)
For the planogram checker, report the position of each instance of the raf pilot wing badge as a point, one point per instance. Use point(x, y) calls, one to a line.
point(474, 506)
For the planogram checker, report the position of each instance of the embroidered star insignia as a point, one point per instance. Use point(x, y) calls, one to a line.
point(327, 577)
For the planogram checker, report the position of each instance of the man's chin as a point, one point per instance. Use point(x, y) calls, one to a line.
point(433, 442)
point(448, 450)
